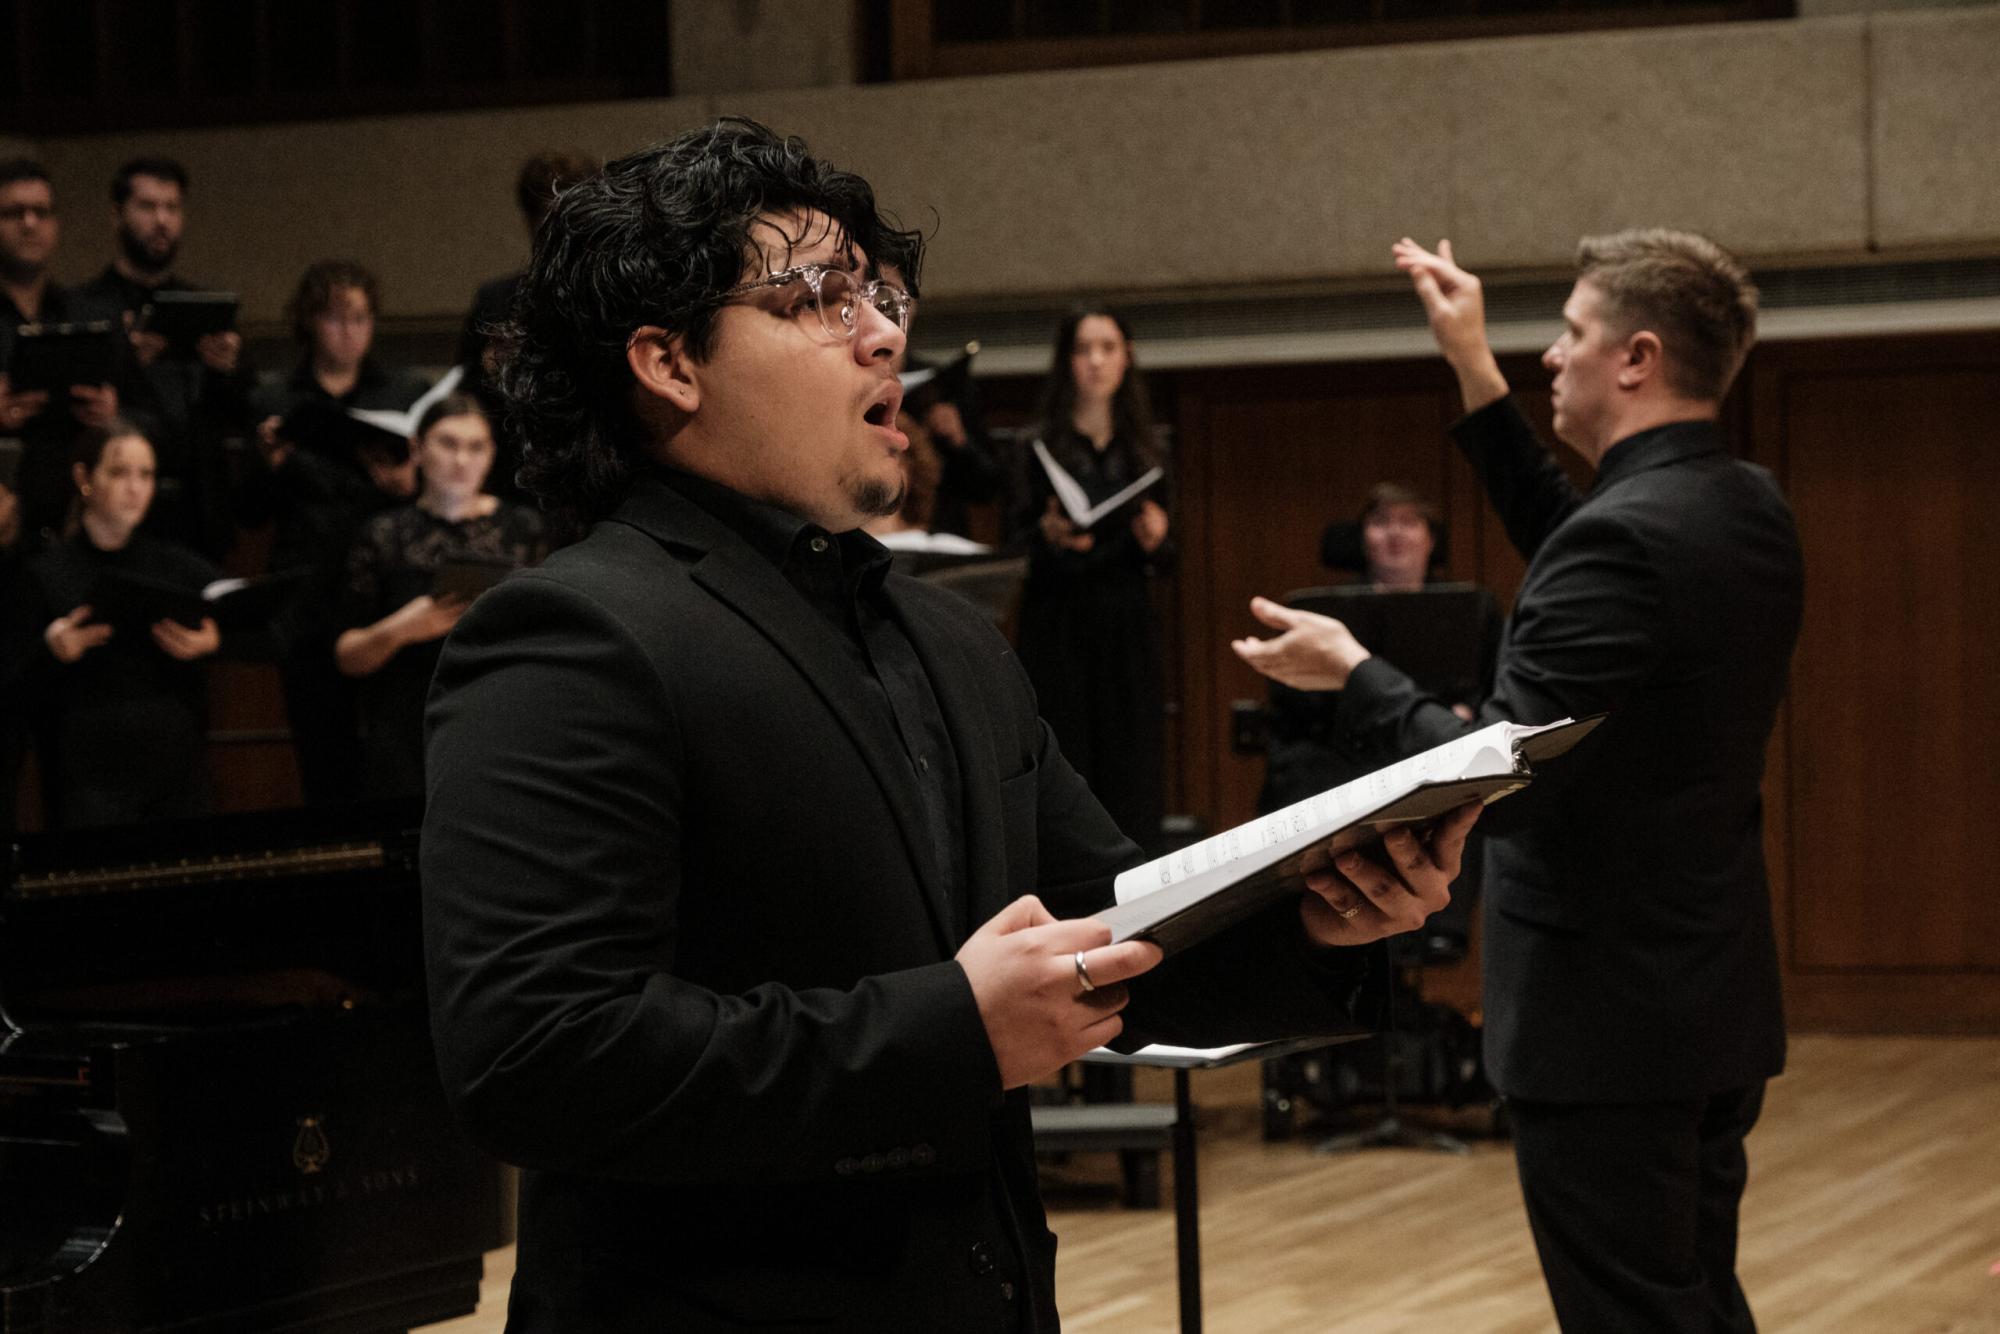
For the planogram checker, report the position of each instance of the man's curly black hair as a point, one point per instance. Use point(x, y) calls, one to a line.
point(655, 238)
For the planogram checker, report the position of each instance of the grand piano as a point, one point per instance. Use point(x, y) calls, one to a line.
point(218, 1107)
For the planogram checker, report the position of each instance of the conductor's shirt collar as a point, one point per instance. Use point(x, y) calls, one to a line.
point(1659, 445)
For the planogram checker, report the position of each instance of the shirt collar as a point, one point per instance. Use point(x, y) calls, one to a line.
point(1658, 445)
point(130, 291)
point(782, 537)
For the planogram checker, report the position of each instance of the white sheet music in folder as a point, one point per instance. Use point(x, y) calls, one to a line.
point(1076, 501)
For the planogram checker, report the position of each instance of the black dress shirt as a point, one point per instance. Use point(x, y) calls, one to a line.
point(841, 577)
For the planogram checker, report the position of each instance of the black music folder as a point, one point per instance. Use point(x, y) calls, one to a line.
point(52, 357)
point(134, 602)
point(185, 318)
point(1191, 894)
point(325, 427)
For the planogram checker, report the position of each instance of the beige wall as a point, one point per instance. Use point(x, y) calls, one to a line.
point(1823, 138)
point(741, 44)
point(1936, 118)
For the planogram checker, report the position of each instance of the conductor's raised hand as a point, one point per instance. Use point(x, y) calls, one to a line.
point(1357, 897)
point(1454, 300)
point(1038, 1013)
point(1455, 304)
point(1315, 652)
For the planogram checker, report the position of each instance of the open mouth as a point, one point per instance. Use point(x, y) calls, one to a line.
point(882, 411)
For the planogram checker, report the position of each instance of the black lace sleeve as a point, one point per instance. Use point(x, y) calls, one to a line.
point(368, 564)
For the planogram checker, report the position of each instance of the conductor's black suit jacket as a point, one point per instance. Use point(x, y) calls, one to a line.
point(691, 960)
point(1627, 924)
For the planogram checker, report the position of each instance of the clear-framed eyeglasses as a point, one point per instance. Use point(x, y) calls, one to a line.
point(839, 295)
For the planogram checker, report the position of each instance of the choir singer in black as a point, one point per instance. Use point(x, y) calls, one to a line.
point(1631, 976)
point(755, 891)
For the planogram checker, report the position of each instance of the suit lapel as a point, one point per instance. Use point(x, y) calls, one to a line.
point(740, 578)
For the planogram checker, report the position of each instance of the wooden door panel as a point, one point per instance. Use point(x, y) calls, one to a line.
point(1895, 729)
point(1271, 459)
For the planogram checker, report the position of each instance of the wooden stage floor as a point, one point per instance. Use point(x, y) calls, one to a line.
point(1873, 1208)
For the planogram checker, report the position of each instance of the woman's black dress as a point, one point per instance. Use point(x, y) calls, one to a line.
point(1090, 639)
point(396, 558)
point(122, 732)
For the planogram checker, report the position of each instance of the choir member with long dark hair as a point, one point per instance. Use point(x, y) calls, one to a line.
point(1089, 636)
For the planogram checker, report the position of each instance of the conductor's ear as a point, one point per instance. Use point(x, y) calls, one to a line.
point(662, 368)
point(1643, 353)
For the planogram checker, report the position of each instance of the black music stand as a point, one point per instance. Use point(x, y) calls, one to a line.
point(1437, 634)
point(1441, 636)
point(1187, 1209)
point(1391, 1132)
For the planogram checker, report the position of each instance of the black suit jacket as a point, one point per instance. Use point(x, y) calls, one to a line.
point(1628, 944)
point(690, 963)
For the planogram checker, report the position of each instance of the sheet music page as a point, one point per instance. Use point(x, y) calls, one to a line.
point(1489, 751)
point(404, 421)
point(1076, 501)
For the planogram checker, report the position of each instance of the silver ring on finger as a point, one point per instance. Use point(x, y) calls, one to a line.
point(1084, 985)
point(1349, 913)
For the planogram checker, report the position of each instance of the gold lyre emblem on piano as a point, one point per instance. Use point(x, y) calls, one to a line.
point(310, 1149)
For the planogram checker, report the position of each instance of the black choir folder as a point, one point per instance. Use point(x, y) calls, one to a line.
point(1188, 895)
point(53, 357)
point(133, 601)
point(323, 425)
point(185, 317)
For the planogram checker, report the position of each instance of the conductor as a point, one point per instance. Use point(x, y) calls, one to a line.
point(1631, 977)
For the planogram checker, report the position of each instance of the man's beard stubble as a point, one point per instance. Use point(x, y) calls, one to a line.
point(139, 257)
point(873, 496)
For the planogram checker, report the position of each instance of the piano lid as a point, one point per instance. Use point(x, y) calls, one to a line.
point(222, 848)
point(204, 920)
